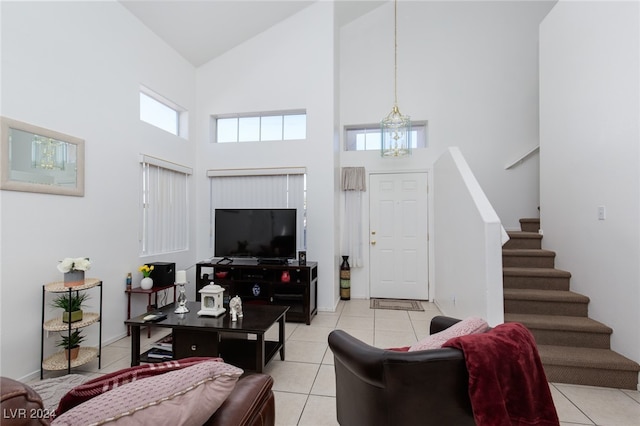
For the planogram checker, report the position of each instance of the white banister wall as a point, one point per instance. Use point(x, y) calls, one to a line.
point(467, 242)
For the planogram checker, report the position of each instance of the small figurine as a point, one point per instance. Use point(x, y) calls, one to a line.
point(235, 306)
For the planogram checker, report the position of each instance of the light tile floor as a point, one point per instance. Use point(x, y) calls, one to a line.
point(304, 384)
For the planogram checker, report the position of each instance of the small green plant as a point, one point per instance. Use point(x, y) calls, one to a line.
point(70, 342)
point(70, 304)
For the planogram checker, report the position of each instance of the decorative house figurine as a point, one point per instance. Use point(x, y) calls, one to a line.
point(211, 300)
point(235, 308)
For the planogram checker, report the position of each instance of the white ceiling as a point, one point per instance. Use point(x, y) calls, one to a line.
point(204, 29)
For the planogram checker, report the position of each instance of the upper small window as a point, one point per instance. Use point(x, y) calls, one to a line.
point(160, 112)
point(260, 127)
point(368, 137)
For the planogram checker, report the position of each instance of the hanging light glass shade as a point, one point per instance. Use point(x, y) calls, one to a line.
point(396, 134)
point(395, 127)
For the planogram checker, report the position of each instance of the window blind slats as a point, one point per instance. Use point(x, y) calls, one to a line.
point(165, 210)
point(260, 191)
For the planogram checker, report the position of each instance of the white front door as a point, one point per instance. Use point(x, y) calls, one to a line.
point(398, 236)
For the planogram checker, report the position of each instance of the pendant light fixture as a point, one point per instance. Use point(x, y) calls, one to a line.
point(395, 127)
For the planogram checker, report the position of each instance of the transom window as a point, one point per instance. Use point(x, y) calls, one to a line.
point(367, 137)
point(260, 127)
point(162, 113)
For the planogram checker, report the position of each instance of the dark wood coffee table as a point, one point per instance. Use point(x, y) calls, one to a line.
point(195, 335)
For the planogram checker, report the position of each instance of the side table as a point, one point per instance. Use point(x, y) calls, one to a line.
point(152, 291)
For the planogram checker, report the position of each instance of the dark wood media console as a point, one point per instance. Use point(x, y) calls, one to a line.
point(290, 284)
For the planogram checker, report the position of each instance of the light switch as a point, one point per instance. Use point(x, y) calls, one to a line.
point(602, 213)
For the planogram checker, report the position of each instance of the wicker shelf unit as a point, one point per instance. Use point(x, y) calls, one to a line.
point(58, 361)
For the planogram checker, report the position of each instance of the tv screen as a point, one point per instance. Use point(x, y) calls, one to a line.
point(260, 233)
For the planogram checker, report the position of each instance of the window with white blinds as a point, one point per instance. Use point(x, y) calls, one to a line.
point(260, 188)
point(165, 206)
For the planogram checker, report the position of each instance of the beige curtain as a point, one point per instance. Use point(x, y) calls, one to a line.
point(353, 185)
point(354, 179)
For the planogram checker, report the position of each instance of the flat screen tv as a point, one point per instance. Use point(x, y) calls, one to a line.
point(256, 233)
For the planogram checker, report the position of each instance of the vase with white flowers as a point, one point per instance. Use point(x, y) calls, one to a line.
point(147, 281)
point(73, 270)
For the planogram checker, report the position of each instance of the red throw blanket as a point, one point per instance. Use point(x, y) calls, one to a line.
point(507, 384)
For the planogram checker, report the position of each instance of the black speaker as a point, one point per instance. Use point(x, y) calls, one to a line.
point(163, 274)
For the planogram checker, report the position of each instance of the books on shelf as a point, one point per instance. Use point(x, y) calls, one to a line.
point(160, 354)
point(162, 349)
point(166, 343)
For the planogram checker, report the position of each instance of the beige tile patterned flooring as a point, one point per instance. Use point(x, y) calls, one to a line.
point(304, 384)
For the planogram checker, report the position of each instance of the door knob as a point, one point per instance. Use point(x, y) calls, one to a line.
point(373, 242)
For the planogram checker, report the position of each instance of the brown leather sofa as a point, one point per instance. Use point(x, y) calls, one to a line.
point(250, 404)
point(384, 387)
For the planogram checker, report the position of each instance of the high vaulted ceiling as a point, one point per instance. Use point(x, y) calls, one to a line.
point(202, 30)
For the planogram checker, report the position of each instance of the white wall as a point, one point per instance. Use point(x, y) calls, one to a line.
point(471, 70)
point(590, 154)
point(467, 243)
point(76, 67)
point(289, 66)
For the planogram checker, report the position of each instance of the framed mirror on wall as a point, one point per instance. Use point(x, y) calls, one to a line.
point(34, 159)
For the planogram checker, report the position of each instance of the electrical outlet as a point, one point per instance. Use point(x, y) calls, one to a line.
point(602, 213)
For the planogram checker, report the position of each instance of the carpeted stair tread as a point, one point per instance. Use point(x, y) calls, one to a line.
point(559, 322)
point(564, 330)
point(528, 252)
point(586, 357)
point(523, 240)
point(530, 220)
point(515, 271)
point(544, 295)
point(524, 234)
point(528, 258)
point(535, 277)
point(530, 224)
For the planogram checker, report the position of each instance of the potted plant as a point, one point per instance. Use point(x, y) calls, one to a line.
point(72, 306)
point(71, 344)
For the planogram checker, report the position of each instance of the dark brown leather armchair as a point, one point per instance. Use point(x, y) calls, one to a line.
point(383, 387)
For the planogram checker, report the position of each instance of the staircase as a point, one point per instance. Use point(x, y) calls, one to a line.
point(573, 348)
